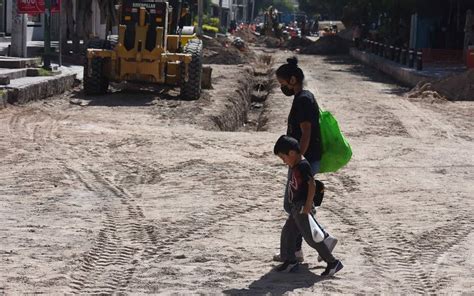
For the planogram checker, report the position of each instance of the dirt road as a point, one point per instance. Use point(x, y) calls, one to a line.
point(147, 196)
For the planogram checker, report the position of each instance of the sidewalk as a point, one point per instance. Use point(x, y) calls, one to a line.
point(34, 48)
point(405, 75)
point(23, 88)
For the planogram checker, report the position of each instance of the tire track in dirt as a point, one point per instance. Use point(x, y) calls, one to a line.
point(110, 249)
point(410, 257)
point(382, 260)
point(425, 120)
point(198, 223)
point(197, 226)
point(126, 238)
point(109, 265)
point(433, 245)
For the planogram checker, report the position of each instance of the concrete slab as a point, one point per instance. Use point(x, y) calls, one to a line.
point(17, 63)
point(28, 89)
point(4, 80)
point(34, 48)
point(407, 76)
point(13, 73)
point(3, 98)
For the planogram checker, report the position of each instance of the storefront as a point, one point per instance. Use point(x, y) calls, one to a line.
point(2, 17)
point(35, 27)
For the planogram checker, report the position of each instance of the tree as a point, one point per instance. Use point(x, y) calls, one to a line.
point(281, 5)
point(331, 9)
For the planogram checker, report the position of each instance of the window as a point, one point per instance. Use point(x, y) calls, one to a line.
point(34, 18)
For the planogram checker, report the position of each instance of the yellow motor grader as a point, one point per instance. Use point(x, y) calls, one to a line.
point(153, 47)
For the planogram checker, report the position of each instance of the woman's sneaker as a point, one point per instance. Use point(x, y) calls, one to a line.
point(298, 254)
point(330, 242)
point(332, 268)
point(287, 266)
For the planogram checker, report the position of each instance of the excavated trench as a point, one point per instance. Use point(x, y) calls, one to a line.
point(245, 111)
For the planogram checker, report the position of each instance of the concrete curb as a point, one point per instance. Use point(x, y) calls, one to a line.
point(19, 63)
point(42, 89)
point(14, 73)
point(406, 76)
point(3, 99)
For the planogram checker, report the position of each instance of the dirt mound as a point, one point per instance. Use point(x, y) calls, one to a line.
point(298, 42)
point(270, 42)
point(459, 87)
point(247, 35)
point(345, 34)
point(422, 92)
point(221, 51)
point(328, 45)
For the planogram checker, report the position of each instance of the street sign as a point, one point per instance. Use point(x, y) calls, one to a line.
point(37, 6)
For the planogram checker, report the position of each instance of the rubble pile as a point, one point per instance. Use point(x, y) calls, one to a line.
point(328, 45)
point(298, 42)
point(268, 41)
point(221, 51)
point(247, 35)
point(458, 87)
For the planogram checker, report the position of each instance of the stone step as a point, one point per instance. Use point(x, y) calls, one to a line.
point(13, 73)
point(17, 63)
point(23, 90)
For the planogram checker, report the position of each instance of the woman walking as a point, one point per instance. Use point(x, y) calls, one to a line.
point(303, 125)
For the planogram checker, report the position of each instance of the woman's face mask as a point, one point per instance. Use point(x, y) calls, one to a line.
point(287, 91)
point(285, 88)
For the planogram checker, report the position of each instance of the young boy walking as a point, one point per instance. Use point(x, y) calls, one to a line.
point(301, 192)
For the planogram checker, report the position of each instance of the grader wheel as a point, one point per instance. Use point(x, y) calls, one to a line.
point(191, 89)
point(97, 83)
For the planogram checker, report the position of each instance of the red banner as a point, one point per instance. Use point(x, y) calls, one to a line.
point(37, 6)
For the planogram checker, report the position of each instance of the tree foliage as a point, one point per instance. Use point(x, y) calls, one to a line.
point(338, 9)
point(391, 17)
point(281, 5)
point(328, 9)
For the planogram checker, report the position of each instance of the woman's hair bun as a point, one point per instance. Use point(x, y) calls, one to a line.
point(293, 61)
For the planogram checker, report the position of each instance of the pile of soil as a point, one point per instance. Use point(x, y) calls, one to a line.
point(423, 92)
point(328, 45)
point(459, 87)
point(221, 51)
point(345, 34)
point(269, 42)
point(247, 35)
point(298, 42)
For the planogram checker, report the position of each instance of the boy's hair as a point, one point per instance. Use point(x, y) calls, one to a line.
point(285, 144)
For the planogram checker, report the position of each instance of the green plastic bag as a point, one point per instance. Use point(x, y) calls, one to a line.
point(336, 151)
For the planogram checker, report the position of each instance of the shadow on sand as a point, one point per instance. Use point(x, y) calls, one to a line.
point(275, 283)
point(368, 73)
point(129, 97)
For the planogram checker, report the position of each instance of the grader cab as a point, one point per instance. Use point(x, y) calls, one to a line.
point(153, 47)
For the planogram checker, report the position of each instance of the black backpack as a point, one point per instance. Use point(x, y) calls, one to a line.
point(319, 195)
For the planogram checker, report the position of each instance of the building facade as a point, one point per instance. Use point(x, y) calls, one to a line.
point(224, 14)
point(35, 26)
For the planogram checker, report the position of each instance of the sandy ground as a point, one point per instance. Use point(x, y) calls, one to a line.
point(142, 194)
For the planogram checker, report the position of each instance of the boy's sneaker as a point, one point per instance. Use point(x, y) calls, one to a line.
point(332, 268)
point(330, 242)
point(287, 266)
point(298, 254)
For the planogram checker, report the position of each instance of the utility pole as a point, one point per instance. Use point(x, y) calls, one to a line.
point(18, 45)
point(47, 35)
point(60, 40)
point(220, 14)
point(200, 16)
point(253, 11)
